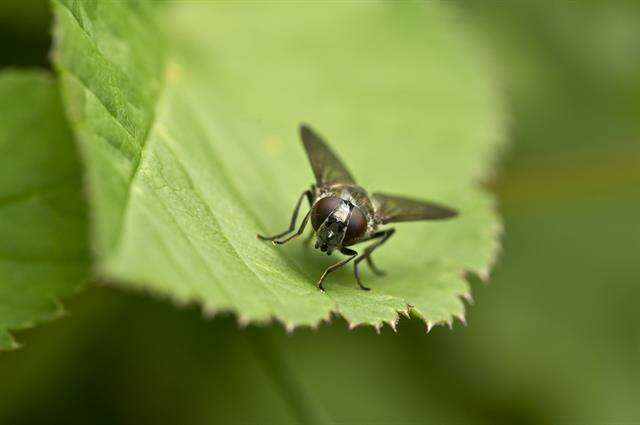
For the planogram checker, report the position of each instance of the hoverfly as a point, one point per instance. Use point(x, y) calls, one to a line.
point(344, 214)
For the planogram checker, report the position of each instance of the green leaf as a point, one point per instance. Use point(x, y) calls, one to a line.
point(43, 248)
point(187, 118)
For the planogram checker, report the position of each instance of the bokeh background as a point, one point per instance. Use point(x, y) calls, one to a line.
point(551, 340)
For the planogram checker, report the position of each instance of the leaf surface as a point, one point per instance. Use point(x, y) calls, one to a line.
point(187, 116)
point(43, 248)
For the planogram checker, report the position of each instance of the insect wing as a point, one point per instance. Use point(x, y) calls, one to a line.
point(392, 209)
point(328, 169)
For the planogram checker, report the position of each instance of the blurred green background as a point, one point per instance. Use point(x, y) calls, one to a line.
point(551, 340)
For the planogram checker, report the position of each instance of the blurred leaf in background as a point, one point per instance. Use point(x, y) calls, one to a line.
point(24, 33)
point(191, 148)
point(571, 72)
point(43, 247)
point(556, 334)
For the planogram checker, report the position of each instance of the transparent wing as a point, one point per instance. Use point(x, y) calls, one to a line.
point(326, 166)
point(391, 209)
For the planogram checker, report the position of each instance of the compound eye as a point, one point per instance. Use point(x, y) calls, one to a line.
point(356, 228)
point(322, 209)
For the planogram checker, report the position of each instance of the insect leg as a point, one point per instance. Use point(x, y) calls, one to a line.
point(296, 234)
point(369, 258)
point(374, 268)
point(381, 236)
point(294, 217)
point(311, 198)
point(346, 251)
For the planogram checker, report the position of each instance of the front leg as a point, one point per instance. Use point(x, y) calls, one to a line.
point(346, 251)
point(381, 236)
point(305, 220)
point(294, 217)
point(373, 267)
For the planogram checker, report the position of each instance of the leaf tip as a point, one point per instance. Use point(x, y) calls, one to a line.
point(290, 327)
point(484, 274)
point(468, 298)
point(243, 321)
point(7, 342)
